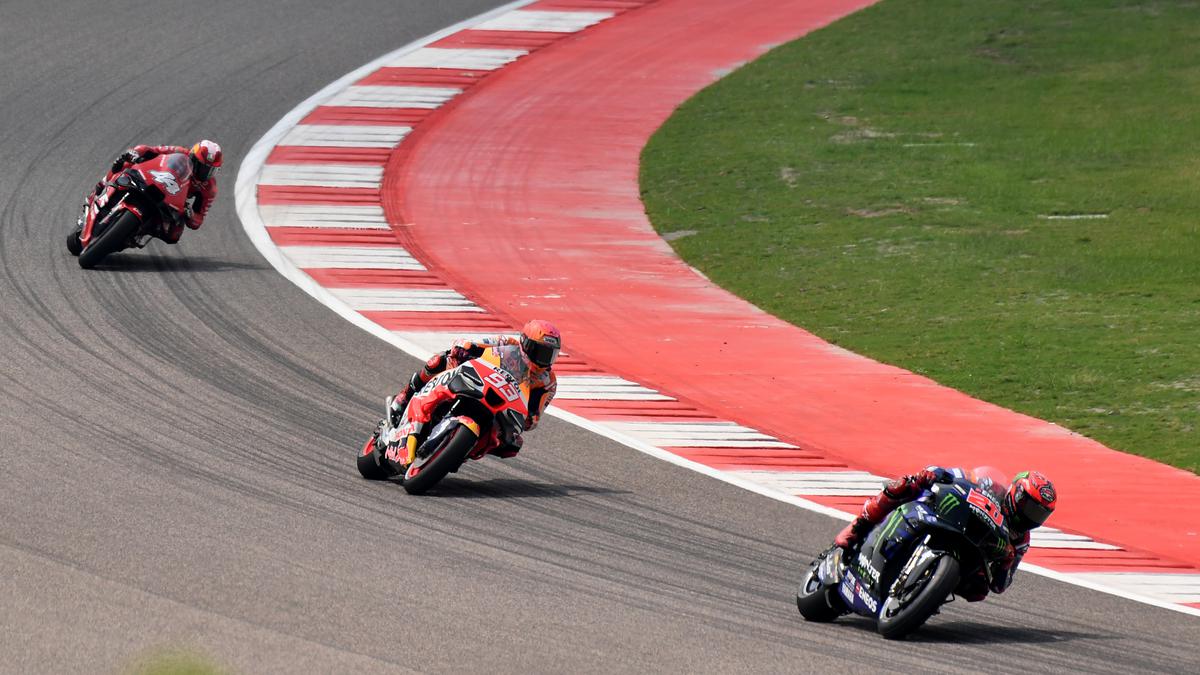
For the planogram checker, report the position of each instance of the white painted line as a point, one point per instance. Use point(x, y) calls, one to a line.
point(1073, 216)
point(467, 59)
point(605, 387)
point(345, 136)
point(551, 22)
point(384, 96)
point(245, 192)
point(351, 257)
point(404, 300)
point(368, 217)
point(323, 175)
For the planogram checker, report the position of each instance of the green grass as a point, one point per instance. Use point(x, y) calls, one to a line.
point(884, 183)
point(173, 661)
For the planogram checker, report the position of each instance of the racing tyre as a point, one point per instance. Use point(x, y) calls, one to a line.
point(368, 462)
point(448, 456)
point(936, 585)
point(110, 241)
point(815, 601)
point(73, 245)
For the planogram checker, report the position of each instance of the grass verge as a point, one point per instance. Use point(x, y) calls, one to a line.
point(1003, 196)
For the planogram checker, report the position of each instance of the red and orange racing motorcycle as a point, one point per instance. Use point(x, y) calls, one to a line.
point(134, 205)
point(464, 413)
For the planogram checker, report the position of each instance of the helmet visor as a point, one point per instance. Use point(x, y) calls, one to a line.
point(204, 172)
point(541, 354)
point(1030, 513)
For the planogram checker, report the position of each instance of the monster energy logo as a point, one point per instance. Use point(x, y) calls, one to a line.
point(948, 503)
point(890, 525)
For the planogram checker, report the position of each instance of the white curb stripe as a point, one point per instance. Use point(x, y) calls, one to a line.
point(320, 215)
point(404, 300)
point(383, 96)
point(599, 387)
point(323, 175)
point(818, 483)
point(1166, 586)
point(429, 343)
point(351, 257)
point(345, 136)
point(550, 22)
point(467, 59)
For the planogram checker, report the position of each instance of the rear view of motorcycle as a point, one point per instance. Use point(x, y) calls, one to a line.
point(910, 564)
point(136, 203)
point(463, 413)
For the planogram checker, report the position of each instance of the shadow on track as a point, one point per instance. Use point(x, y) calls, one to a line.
point(141, 262)
point(500, 488)
point(979, 633)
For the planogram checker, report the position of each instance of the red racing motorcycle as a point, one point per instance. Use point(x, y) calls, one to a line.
point(464, 413)
point(135, 204)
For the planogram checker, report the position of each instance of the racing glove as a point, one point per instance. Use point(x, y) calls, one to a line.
point(123, 159)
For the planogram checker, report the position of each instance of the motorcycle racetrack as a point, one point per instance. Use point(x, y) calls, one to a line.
point(179, 429)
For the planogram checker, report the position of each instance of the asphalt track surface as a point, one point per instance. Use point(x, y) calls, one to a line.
point(179, 428)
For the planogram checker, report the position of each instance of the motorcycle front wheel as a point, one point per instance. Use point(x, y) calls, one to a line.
point(369, 464)
point(110, 240)
point(450, 453)
point(816, 601)
point(899, 618)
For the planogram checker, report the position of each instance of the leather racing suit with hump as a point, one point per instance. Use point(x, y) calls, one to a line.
point(541, 381)
point(908, 488)
point(201, 194)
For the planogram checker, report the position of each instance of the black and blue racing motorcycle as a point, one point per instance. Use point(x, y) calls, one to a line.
point(910, 564)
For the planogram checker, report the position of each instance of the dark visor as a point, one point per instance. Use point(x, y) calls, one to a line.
point(1033, 513)
point(541, 354)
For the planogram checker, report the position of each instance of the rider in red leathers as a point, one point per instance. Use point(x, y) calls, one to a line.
point(1026, 504)
point(206, 159)
point(527, 358)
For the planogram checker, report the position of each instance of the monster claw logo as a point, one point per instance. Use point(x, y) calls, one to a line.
point(947, 503)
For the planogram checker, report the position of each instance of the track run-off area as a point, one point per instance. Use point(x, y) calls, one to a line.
point(179, 432)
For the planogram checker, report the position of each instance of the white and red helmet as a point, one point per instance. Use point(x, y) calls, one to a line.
point(206, 159)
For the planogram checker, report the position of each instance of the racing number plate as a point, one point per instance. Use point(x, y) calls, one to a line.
point(987, 505)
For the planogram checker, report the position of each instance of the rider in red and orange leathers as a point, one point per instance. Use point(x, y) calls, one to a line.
point(1026, 503)
point(206, 159)
point(529, 358)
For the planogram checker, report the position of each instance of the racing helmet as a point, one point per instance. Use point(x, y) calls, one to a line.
point(206, 159)
point(540, 342)
point(1030, 500)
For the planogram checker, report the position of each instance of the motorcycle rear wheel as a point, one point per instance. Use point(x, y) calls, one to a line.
point(941, 582)
point(450, 454)
point(110, 241)
point(817, 602)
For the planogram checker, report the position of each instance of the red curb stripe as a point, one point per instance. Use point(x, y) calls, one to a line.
point(337, 277)
point(500, 39)
point(292, 194)
point(467, 322)
point(423, 77)
point(302, 154)
point(330, 236)
point(336, 114)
